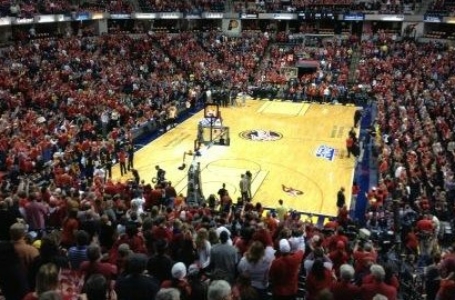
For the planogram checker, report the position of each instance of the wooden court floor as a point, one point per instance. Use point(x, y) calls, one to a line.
point(300, 146)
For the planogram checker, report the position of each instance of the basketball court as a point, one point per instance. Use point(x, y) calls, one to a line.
point(300, 146)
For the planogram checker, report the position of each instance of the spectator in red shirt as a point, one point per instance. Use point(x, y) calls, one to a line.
point(284, 272)
point(122, 156)
point(390, 278)
point(364, 256)
point(318, 279)
point(426, 234)
point(338, 237)
point(446, 289)
point(377, 286)
point(339, 256)
point(447, 265)
point(70, 227)
point(344, 288)
point(36, 213)
point(95, 266)
point(411, 241)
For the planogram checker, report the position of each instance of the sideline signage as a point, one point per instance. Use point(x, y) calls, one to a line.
point(120, 16)
point(248, 16)
point(354, 17)
point(432, 19)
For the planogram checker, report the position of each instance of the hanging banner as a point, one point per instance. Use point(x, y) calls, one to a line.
point(232, 26)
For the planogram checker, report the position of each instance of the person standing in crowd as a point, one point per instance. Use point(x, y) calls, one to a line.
point(224, 258)
point(344, 288)
point(94, 265)
point(244, 94)
point(26, 253)
point(339, 255)
point(426, 234)
point(97, 287)
point(281, 211)
point(208, 96)
point(179, 281)
point(256, 265)
point(70, 227)
point(226, 203)
point(106, 161)
point(168, 294)
point(36, 212)
point(122, 157)
point(7, 218)
point(249, 179)
point(219, 290)
point(244, 188)
point(172, 115)
point(318, 279)
point(13, 279)
point(49, 252)
point(135, 284)
point(284, 272)
point(130, 156)
point(78, 253)
point(203, 248)
point(160, 264)
point(47, 279)
point(105, 122)
point(233, 97)
point(378, 286)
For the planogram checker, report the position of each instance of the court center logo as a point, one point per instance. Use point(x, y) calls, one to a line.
point(261, 135)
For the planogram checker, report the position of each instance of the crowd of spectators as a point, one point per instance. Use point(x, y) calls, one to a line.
point(216, 58)
point(385, 6)
point(50, 108)
point(326, 61)
point(194, 6)
point(290, 6)
point(27, 9)
point(413, 144)
point(442, 8)
point(70, 106)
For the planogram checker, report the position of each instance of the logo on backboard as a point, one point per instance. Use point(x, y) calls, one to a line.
point(261, 135)
point(326, 152)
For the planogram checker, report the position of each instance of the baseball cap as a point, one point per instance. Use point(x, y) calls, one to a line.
point(284, 245)
point(178, 270)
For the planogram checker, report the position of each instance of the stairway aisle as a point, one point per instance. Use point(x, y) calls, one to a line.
point(136, 5)
point(356, 56)
point(228, 6)
point(423, 6)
